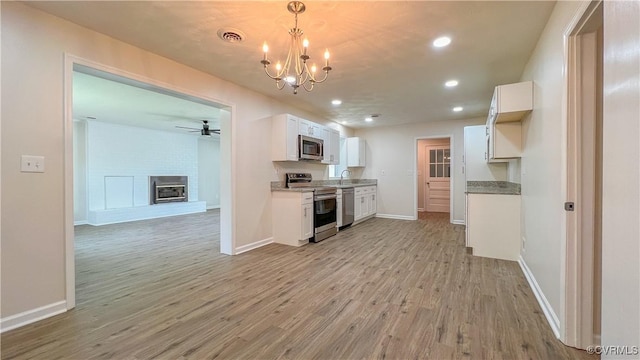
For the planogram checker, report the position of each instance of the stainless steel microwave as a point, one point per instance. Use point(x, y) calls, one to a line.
point(310, 148)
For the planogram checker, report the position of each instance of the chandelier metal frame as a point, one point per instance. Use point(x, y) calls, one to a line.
point(301, 75)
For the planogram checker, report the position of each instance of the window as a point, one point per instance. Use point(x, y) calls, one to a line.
point(439, 163)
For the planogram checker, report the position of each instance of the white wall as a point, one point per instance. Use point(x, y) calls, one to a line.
point(541, 162)
point(34, 45)
point(120, 150)
point(393, 149)
point(80, 172)
point(209, 171)
point(621, 179)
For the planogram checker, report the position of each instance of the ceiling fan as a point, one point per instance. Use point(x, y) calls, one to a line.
point(205, 129)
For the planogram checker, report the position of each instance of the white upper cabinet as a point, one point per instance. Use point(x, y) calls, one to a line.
point(504, 131)
point(284, 137)
point(356, 155)
point(308, 128)
point(511, 102)
point(331, 150)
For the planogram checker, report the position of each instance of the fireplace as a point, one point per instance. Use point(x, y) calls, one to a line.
point(166, 189)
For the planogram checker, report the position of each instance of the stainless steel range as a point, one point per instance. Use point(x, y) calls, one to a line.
point(324, 205)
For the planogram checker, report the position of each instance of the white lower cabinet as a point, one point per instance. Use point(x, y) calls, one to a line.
point(292, 217)
point(493, 225)
point(365, 203)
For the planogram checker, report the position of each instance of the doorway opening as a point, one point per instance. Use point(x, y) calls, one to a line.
point(128, 191)
point(584, 179)
point(433, 177)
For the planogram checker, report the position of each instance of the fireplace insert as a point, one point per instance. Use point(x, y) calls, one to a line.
point(166, 189)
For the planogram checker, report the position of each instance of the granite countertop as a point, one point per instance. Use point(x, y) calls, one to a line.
point(493, 187)
point(280, 185)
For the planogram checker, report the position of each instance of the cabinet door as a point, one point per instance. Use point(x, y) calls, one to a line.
point(326, 146)
point(339, 210)
point(366, 207)
point(374, 205)
point(292, 138)
point(304, 127)
point(334, 149)
point(355, 152)
point(307, 221)
point(358, 206)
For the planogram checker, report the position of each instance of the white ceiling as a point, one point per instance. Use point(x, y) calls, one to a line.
point(381, 51)
point(113, 101)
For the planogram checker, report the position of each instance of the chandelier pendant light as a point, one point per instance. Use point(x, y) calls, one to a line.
point(296, 71)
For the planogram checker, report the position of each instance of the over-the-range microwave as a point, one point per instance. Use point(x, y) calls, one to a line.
point(310, 148)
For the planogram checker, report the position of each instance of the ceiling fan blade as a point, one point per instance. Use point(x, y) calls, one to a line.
point(190, 128)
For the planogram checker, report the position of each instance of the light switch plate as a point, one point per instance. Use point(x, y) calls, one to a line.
point(30, 163)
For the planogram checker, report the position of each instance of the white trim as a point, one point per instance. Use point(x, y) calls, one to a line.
point(213, 207)
point(80, 222)
point(415, 173)
point(569, 272)
point(395, 217)
point(228, 212)
point(31, 316)
point(551, 316)
point(421, 210)
point(253, 245)
point(458, 222)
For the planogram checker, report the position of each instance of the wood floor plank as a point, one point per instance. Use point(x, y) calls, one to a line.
point(386, 289)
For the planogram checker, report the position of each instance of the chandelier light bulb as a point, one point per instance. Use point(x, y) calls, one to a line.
point(305, 43)
point(314, 68)
point(278, 66)
point(326, 54)
point(265, 47)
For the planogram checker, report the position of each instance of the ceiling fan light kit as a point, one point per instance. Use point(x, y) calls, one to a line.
point(296, 71)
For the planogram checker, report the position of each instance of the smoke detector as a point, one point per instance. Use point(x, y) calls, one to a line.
point(231, 35)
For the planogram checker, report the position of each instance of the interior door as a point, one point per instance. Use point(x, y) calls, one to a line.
point(437, 186)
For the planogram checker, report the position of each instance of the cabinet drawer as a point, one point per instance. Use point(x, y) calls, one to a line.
point(307, 198)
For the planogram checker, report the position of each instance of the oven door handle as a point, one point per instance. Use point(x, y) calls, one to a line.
point(324, 197)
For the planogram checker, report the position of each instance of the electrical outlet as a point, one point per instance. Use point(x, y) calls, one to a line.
point(30, 163)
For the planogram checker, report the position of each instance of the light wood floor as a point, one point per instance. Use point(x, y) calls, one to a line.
point(382, 289)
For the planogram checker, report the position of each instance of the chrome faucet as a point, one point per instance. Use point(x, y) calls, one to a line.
point(342, 174)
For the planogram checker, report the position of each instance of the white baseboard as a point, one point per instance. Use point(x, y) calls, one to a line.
point(420, 210)
point(80, 222)
point(254, 245)
point(31, 316)
point(395, 217)
point(213, 207)
point(458, 222)
point(551, 316)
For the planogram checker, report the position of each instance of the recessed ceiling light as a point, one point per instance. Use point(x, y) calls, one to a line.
point(457, 108)
point(336, 102)
point(368, 119)
point(442, 41)
point(344, 122)
point(451, 83)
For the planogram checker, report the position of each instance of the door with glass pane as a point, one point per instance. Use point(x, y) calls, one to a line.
point(437, 187)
